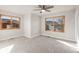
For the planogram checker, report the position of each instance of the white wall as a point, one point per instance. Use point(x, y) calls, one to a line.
point(27, 25)
point(31, 25)
point(7, 34)
point(69, 33)
point(35, 25)
point(77, 26)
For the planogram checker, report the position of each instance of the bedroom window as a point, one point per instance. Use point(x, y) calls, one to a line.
point(9, 22)
point(55, 23)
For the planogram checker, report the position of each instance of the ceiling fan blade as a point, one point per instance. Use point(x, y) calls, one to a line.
point(48, 10)
point(49, 7)
point(41, 6)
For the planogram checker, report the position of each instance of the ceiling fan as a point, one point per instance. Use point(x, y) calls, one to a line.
point(44, 8)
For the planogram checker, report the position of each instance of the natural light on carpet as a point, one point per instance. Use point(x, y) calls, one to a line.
point(6, 49)
point(69, 45)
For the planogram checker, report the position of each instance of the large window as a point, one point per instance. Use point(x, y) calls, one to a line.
point(9, 22)
point(55, 23)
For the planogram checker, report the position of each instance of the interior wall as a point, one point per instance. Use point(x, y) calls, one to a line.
point(35, 25)
point(69, 32)
point(27, 25)
point(11, 33)
point(31, 25)
point(77, 26)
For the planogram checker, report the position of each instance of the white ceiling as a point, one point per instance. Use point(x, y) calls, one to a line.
point(23, 9)
point(59, 8)
point(19, 9)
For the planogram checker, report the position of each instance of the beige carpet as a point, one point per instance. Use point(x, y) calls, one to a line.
point(39, 44)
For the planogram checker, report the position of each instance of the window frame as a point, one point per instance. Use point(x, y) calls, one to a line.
point(10, 22)
point(63, 18)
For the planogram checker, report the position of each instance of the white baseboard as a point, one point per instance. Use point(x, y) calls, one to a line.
point(13, 36)
point(60, 38)
point(35, 35)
